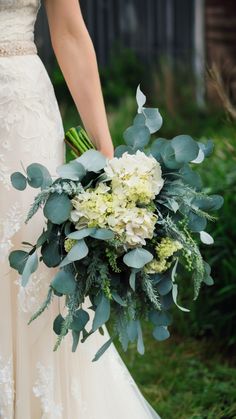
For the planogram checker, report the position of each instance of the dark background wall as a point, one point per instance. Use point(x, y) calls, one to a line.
point(157, 29)
point(152, 29)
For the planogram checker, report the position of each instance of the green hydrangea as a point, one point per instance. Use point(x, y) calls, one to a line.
point(68, 244)
point(164, 251)
point(167, 247)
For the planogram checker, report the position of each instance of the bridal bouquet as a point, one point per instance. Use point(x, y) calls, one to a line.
point(121, 231)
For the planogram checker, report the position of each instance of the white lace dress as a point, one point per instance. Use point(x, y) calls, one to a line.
point(35, 382)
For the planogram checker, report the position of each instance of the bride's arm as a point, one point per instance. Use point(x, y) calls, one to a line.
point(77, 59)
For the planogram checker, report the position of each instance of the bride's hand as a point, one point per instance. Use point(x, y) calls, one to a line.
point(107, 150)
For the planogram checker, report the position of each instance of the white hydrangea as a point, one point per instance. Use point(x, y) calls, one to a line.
point(135, 224)
point(136, 176)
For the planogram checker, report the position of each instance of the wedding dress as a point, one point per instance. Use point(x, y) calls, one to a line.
point(35, 382)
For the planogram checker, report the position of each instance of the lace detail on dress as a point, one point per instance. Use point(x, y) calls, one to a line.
point(9, 225)
point(36, 133)
point(44, 390)
point(6, 4)
point(4, 173)
point(32, 296)
point(6, 389)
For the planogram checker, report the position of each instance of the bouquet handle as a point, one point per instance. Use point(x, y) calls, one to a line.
point(77, 142)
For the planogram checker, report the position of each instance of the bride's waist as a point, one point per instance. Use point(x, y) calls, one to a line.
point(17, 47)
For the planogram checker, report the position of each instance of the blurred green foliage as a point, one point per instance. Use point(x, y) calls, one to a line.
point(122, 75)
point(119, 78)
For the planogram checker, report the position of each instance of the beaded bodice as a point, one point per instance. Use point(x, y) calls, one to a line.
point(17, 20)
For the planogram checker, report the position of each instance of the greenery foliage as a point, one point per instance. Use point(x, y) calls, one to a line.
point(215, 315)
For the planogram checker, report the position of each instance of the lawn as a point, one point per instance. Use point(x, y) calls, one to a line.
point(184, 379)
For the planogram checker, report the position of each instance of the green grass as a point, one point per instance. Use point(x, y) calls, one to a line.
point(183, 379)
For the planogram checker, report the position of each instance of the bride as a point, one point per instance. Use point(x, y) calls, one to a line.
point(35, 382)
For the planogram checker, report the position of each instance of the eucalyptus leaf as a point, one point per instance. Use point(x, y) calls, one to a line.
point(167, 301)
point(153, 118)
point(102, 350)
point(81, 234)
point(102, 234)
point(67, 228)
point(199, 158)
point(157, 146)
point(206, 238)
point(43, 238)
point(168, 157)
point(175, 295)
point(158, 278)
point(122, 331)
point(76, 336)
point(92, 160)
point(51, 253)
point(137, 258)
point(73, 171)
point(132, 330)
point(101, 331)
point(102, 313)
point(196, 223)
point(29, 268)
point(18, 259)
point(139, 120)
point(137, 137)
point(57, 324)
point(160, 318)
point(140, 344)
point(64, 282)
point(38, 176)
point(121, 149)
point(118, 299)
point(190, 177)
point(19, 181)
point(207, 147)
point(207, 268)
point(140, 98)
point(208, 280)
point(79, 251)
point(186, 149)
point(80, 320)
point(174, 270)
point(161, 333)
point(209, 203)
point(58, 208)
point(172, 204)
point(164, 286)
point(132, 279)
